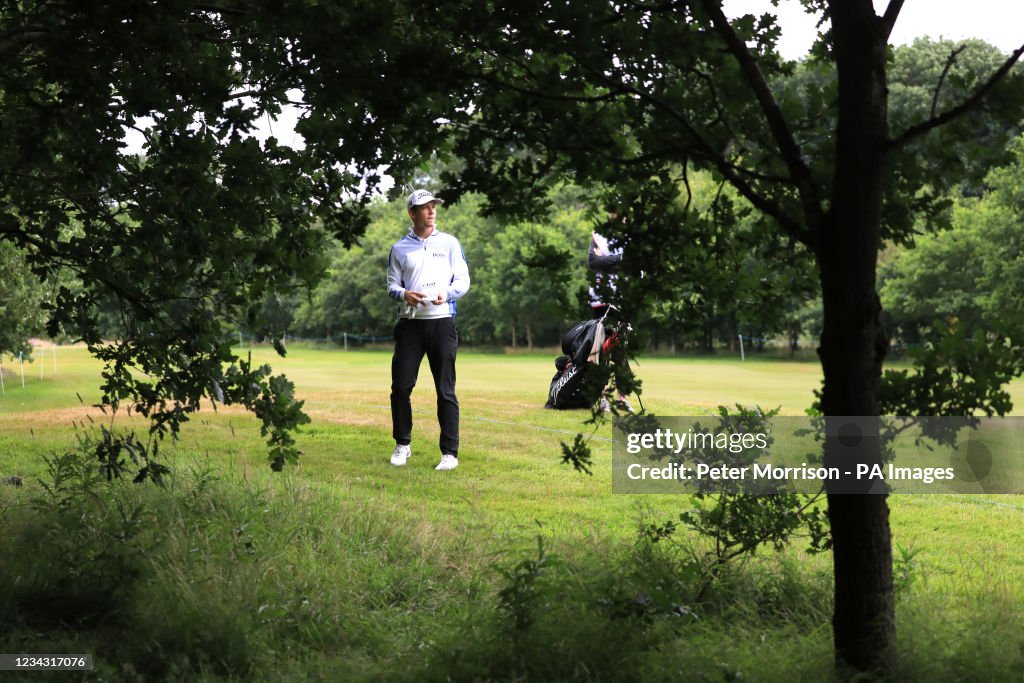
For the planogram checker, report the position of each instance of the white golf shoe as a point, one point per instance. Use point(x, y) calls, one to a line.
point(400, 455)
point(448, 462)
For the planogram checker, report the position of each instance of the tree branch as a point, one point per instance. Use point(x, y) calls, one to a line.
point(525, 67)
point(689, 190)
point(735, 175)
point(892, 12)
point(767, 206)
point(16, 37)
point(971, 102)
point(783, 136)
point(743, 179)
point(584, 99)
point(950, 61)
point(709, 82)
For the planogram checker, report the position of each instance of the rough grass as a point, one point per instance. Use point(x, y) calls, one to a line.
point(512, 567)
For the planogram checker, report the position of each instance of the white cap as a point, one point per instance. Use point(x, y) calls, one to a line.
point(421, 197)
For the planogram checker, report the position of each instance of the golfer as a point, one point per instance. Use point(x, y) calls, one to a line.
point(606, 263)
point(427, 272)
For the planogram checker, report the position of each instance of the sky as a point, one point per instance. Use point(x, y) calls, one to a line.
point(1000, 22)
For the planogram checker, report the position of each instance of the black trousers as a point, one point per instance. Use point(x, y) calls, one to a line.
point(438, 339)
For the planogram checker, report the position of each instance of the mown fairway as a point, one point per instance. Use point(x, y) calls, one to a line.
point(510, 471)
point(365, 570)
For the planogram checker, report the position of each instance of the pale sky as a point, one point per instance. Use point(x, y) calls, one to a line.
point(1000, 22)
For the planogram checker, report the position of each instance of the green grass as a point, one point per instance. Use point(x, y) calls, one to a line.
point(346, 568)
point(509, 445)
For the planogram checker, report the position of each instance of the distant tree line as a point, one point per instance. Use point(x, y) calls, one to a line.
point(526, 277)
point(530, 279)
point(729, 275)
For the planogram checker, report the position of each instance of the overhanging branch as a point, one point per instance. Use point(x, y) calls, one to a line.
point(745, 180)
point(739, 177)
point(950, 61)
point(970, 103)
point(783, 136)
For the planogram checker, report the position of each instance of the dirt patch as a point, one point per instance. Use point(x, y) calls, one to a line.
point(58, 416)
point(349, 409)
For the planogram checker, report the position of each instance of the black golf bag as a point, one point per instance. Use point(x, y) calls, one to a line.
point(582, 346)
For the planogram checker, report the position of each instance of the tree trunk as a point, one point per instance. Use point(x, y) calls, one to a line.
point(513, 335)
point(853, 344)
point(529, 337)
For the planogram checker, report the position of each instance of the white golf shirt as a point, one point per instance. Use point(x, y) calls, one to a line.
point(432, 265)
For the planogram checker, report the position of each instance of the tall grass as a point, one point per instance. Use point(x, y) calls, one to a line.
point(266, 578)
point(220, 576)
point(214, 575)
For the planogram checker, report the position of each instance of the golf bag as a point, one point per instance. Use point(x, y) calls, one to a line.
point(582, 373)
point(581, 347)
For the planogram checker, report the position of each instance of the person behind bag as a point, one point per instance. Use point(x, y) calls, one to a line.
point(605, 262)
point(427, 272)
